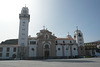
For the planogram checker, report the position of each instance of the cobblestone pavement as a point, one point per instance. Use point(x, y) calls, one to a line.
point(83, 62)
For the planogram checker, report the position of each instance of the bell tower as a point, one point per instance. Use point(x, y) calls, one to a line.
point(78, 37)
point(23, 31)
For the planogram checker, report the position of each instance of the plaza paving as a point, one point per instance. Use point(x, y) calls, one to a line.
point(83, 62)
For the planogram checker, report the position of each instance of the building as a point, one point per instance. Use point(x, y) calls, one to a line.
point(92, 48)
point(45, 45)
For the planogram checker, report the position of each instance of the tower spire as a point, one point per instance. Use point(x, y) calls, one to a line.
point(25, 5)
point(77, 27)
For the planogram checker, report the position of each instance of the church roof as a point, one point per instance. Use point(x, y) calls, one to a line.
point(56, 38)
point(32, 37)
point(8, 45)
point(64, 39)
point(10, 42)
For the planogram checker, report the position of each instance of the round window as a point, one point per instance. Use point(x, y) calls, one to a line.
point(32, 49)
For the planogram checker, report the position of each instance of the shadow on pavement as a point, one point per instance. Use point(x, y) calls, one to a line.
point(58, 60)
point(73, 61)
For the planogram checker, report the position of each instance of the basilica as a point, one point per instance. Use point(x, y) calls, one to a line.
point(45, 45)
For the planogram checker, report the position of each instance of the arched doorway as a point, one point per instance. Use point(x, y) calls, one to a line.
point(14, 56)
point(46, 53)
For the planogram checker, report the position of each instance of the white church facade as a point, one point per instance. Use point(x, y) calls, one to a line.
point(45, 45)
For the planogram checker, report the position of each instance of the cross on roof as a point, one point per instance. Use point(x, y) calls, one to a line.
point(68, 33)
point(77, 27)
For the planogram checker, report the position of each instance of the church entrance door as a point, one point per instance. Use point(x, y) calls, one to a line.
point(13, 56)
point(46, 54)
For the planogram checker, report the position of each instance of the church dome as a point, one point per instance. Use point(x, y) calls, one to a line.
point(77, 31)
point(25, 10)
point(69, 36)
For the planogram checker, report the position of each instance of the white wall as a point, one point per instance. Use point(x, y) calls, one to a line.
point(67, 52)
point(32, 53)
point(74, 52)
point(59, 52)
point(97, 54)
point(66, 41)
point(10, 52)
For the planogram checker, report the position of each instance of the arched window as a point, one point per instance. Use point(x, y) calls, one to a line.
point(80, 39)
point(79, 35)
point(46, 36)
point(70, 41)
point(14, 56)
point(58, 48)
point(66, 48)
point(46, 46)
point(74, 48)
point(1, 49)
point(81, 48)
point(63, 41)
point(8, 49)
point(32, 42)
point(32, 49)
point(14, 49)
point(23, 23)
point(74, 36)
point(56, 42)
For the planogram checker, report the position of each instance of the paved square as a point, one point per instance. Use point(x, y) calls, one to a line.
point(83, 62)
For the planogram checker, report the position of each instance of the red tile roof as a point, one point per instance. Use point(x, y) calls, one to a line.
point(56, 38)
point(32, 37)
point(64, 39)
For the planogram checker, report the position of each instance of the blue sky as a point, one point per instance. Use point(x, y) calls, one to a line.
point(59, 16)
